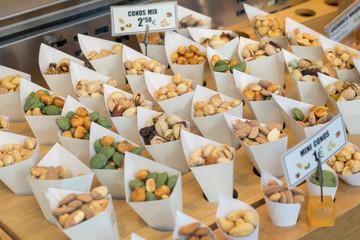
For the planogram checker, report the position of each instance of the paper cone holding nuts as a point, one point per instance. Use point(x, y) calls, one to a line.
point(79, 73)
point(227, 206)
point(346, 74)
point(60, 83)
point(281, 214)
point(270, 67)
point(15, 175)
point(213, 126)
point(136, 237)
point(266, 111)
point(180, 105)
point(163, 209)
point(101, 226)
point(224, 81)
point(110, 65)
point(81, 180)
point(266, 156)
point(112, 178)
point(44, 127)
point(10, 102)
point(185, 12)
point(194, 72)
point(287, 105)
point(251, 12)
point(349, 109)
point(222, 179)
point(167, 153)
point(184, 220)
point(314, 189)
point(353, 179)
point(312, 53)
point(307, 92)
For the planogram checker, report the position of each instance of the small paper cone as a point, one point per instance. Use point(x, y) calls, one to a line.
point(314, 190)
point(61, 83)
point(126, 126)
point(222, 179)
point(194, 72)
point(183, 220)
point(43, 127)
point(308, 92)
point(101, 226)
point(229, 205)
point(354, 179)
point(183, 12)
point(156, 52)
point(169, 153)
point(55, 157)
point(312, 53)
point(109, 66)
point(165, 209)
point(281, 214)
point(14, 176)
point(271, 67)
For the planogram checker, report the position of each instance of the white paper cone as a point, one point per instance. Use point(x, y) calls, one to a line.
point(59, 83)
point(281, 214)
point(183, 220)
point(183, 12)
point(222, 179)
point(214, 127)
point(251, 12)
point(351, 75)
point(14, 176)
point(312, 53)
point(10, 102)
point(180, 105)
point(6, 118)
point(78, 73)
point(126, 126)
point(287, 105)
point(271, 67)
point(193, 72)
point(113, 179)
point(110, 66)
point(349, 109)
point(165, 209)
point(308, 92)
point(266, 111)
point(43, 127)
point(357, 64)
point(169, 153)
point(156, 52)
point(55, 157)
point(136, 237)
point(101, 226)
point(314, 190)
point(229, 205)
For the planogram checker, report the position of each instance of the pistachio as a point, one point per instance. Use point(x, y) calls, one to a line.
point(157, 140)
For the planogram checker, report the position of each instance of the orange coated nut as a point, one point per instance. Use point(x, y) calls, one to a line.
point(67, 134)
point(46, 99)
point(174, 57)
point(125, 146)
point(80, 132)
point(181, 50)
point(138, 195)
point(193, 61)
point(193, 48)
point(39, 93)
point(81, 112)
point(189, 54)
point(59, 102)
point(87, 122)
point(181, 60)
point(76, 121)
point(273, 87)
point(162, 190)
point(142, 174)
point(107, 141)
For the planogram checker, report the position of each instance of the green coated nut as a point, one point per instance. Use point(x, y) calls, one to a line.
point(52, 110)
point(70, 114)
point(30, 103)
point(38, 105)
point(109, 166)
point(171, 182)
point(161, 179)
point(137, 150)
point(87, 136)
point(94, 116)
point(47, 93)
point(150, 196)
point(240, 67)
point(107, 151)
point(298, 114)
point(219, 63)
point(115, 145)
point(104, 122)
point(135, 183)
point(31, 95)
point(293, 64)
point(118, 159)
point(63, 123)
point(97, 145)
point(152, 175)
point(221, 68)
point(98, 161)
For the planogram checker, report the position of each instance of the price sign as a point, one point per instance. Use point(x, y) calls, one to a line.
point(132, 19)
point(301, 160)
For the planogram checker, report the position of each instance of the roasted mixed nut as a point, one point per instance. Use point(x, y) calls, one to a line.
point(307, 71)
point(59, 68)
point(342, 91)
point(76, 208)
point(155, 38)
point(150, 186)
point(194, 231)
point(10, 84)
point(190, 21)
point(281, 194)
point(41, 103)
point(341, 58)
point(86, 88)
point(15, 153)
point(263, 90)
point(296, 38)
point(217, 41)
point(227, 66)
point(161, 129)
point(119, 105)
point(210, 154)
point(77, 124)
point(140, 65)
point(269, 25)
point(255, 51)
point(346, 161)
point(317, 115)
point(214, 106)
point(252, 133)
point(50, 173)
point(110, 154)
point(3, 123)
point(178, 87)
point(93, 55)
point(240, 223)
point(191, 56)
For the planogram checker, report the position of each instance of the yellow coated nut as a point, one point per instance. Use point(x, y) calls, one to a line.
point(142, 174)
point(81, 112)
point(107, 141)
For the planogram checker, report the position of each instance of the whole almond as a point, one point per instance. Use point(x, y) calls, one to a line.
point(99, 192)
point(84, 197)
point(67, 199)
point(263, 130)
point(275, 197)
point(52, 174)
point(282, 198)
point(297, 191)
point(189, 229)
point(253, 133)
point(299, 199)
point(201, 231)
point(74, 218)
point(75, 204)
point(89, 212)
point(272, 189)
point(61, 210)
point(289, 196)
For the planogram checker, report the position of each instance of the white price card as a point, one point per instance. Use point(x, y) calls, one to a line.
point(132, 19)
point(301, 160)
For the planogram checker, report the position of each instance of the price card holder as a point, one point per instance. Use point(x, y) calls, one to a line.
point(133, 19)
